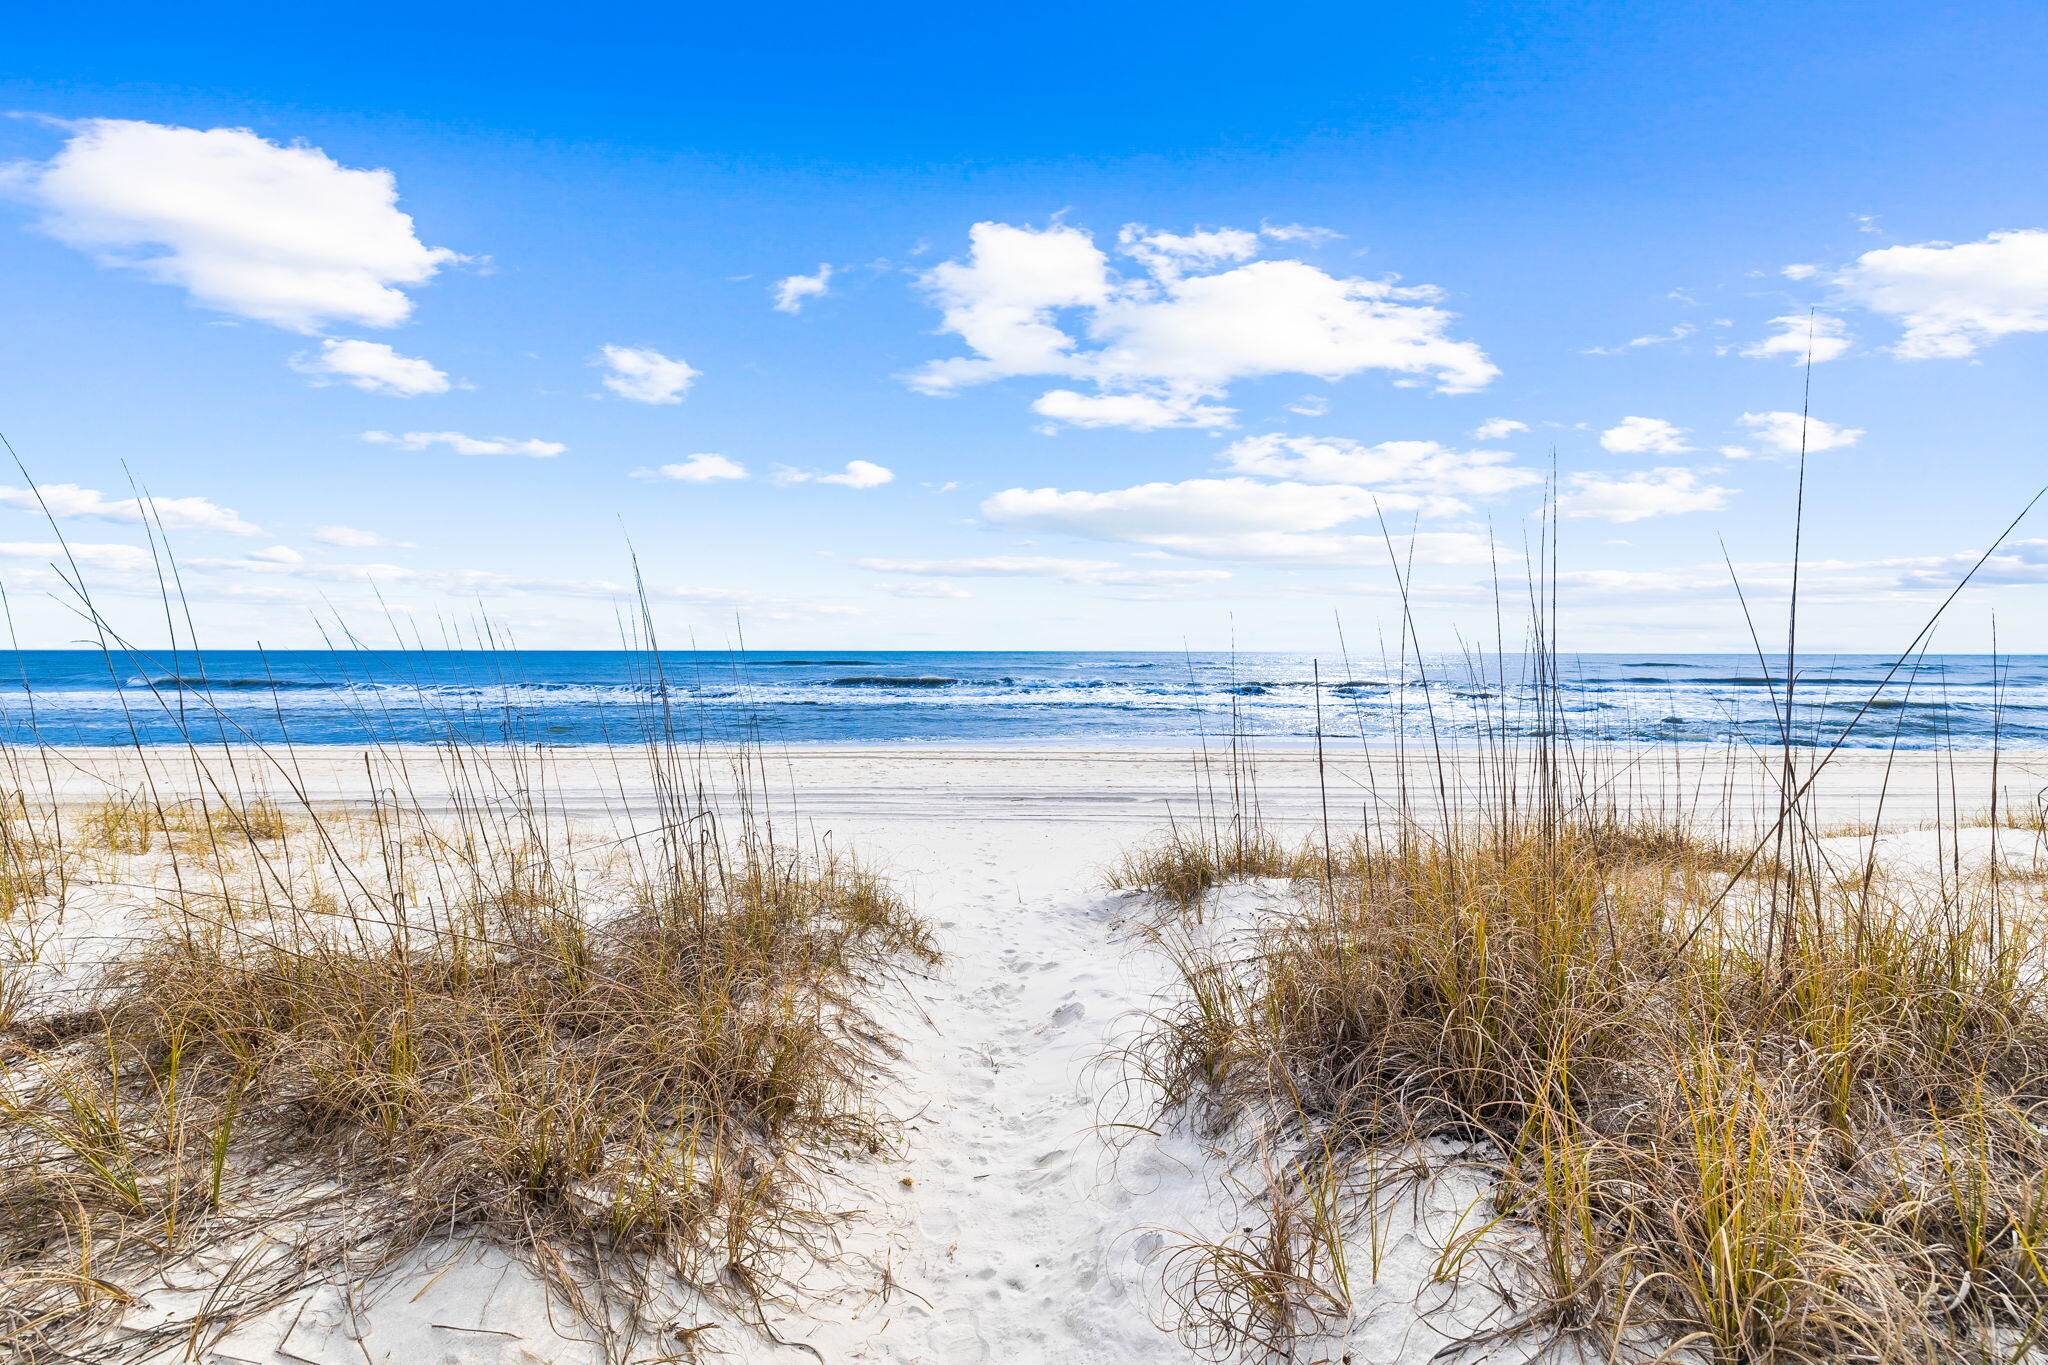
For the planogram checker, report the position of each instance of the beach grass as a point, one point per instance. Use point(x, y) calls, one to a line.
point(1741, 1100)
point(284, 1042)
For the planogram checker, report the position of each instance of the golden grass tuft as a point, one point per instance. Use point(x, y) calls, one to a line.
point(1190, 861)
point(34, 862)
point(1769, 1122)
point(637, 1080)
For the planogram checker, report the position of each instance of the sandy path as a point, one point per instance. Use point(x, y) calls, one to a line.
point(1021, 1234)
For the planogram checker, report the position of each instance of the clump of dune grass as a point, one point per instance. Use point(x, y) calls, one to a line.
point(136, 823)
point(633, 1077)
point(632, 1044)
point(34, 861)
point(1706, 1132)
point(1192, 860)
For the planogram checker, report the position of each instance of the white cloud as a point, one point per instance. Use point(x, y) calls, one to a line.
point(1297, 232)
point(66, 500)
point(946, 590)
point(1797, 335)
point(1095, 571)
point(1780, 433)
point(1317, 551)
point(1309, 405)
point(1498, 428)
point(646, 376)
point(279, 234)
point(371, 366)
point(1440, 475)
point(1191, 506)
point(1645, 493)
point(1131, 411)
point(279, 554)
point(857, 474)
point(1231, 519)
point(471, 581)
point(1644, 436)
point(1047, 302)
point(1954, 298)
point(467, 445)
point(348, 537)
point(792, 292)
point(696, 469)
point(1800, 272)
point(98, 556)
point(1678, 333)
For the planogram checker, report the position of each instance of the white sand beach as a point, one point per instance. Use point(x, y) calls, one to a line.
point(1015, 1222)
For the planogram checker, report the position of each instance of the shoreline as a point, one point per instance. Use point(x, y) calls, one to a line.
point(872, 788)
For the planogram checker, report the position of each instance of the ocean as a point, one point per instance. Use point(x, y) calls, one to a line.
point(1005, 698)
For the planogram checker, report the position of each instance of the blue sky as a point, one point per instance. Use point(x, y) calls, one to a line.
point(1246, 285)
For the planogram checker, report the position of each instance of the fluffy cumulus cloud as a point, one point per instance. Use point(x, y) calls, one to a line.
point(1196, 315)
point(1787, 433)
point(460, 444)
point(281, 234)
point(1644, 436)
point(1498, 428)
point(1440, 476)
point(1094, 571)
point(644, 376)
point(1240, 519)
point(794, 291)
point(68, 500)
point(350, 538)
point(372, 367)
point(696, 469)
point(1953, 298)
point(1644, 493)
point(857, 474)
point(1798, 336)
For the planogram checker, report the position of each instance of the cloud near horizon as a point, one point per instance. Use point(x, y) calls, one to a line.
point(67, 500)
point(704, 468)
point(460, 444)
point(857, 474)
point(350, 538)
point(1106, 572)
point(1441, 476)
point(1640, 494)
point(1236, 519)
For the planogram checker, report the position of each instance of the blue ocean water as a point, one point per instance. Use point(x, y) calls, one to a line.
point(1097, 699)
